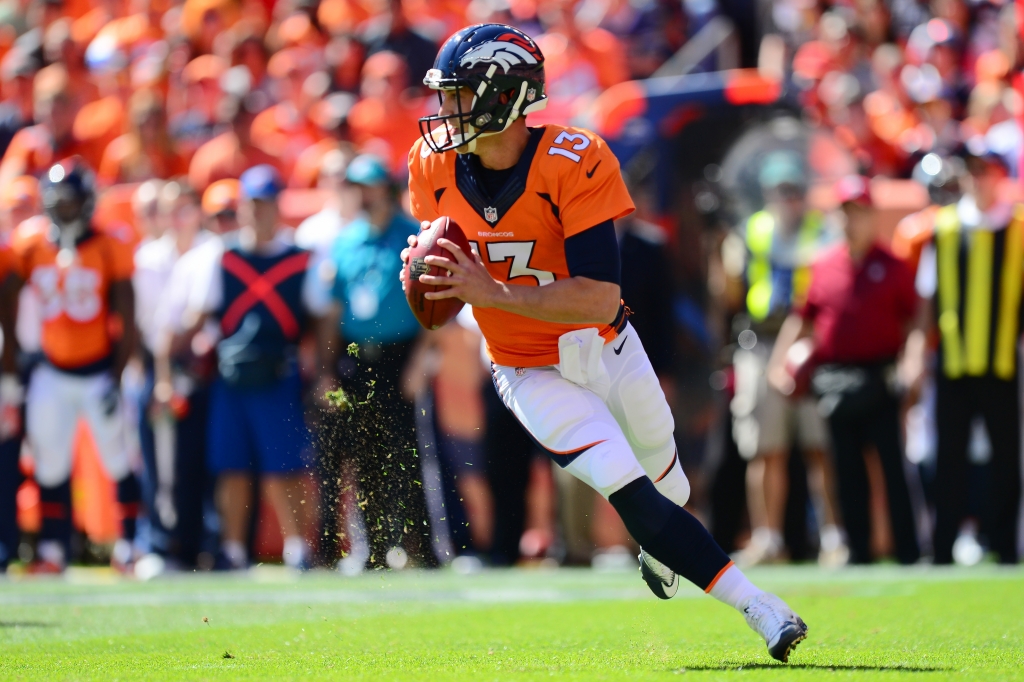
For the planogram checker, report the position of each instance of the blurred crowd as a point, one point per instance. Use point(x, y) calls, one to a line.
point(255, 151)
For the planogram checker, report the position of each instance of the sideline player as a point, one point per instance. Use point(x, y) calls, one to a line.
point(538, 205)
point(82, 278)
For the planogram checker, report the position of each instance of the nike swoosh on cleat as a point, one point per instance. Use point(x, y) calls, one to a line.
point(619, 349)
point(590, 173)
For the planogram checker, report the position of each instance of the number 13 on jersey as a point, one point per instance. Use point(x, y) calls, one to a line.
point(518, 255)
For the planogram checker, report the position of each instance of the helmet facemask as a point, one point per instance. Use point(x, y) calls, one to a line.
point(68, 204)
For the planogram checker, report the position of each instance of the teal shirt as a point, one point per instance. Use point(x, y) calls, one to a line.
point(367, 285)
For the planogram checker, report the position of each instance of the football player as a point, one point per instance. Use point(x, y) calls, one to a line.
point(538, 206)
point(82, 278)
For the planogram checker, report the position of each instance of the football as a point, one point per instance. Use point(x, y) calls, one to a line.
point(432, 314)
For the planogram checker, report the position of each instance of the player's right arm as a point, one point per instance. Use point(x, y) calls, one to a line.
point(576, 300)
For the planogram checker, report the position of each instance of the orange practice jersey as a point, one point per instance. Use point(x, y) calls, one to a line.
point(76, 317)
point(567, 181)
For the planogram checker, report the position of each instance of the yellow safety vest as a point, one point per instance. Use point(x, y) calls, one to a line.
point(967, 342)
point(760, 232)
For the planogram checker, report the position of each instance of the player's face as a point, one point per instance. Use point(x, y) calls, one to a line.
point(67, 211)
point(451, 101)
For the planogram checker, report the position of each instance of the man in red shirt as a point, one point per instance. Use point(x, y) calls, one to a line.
point(859, 310)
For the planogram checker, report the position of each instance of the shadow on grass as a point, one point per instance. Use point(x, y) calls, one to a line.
point(818, 666)
point(25, 624)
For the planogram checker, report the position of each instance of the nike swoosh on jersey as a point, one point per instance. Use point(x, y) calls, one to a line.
point(590, 173)
point(619, 349)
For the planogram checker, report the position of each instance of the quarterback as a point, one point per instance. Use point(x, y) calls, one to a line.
point(538, 206)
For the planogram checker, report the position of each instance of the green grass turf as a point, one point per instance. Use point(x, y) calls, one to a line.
point(872, 624)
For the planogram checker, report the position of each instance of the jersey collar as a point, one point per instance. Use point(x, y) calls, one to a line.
point(493, 210)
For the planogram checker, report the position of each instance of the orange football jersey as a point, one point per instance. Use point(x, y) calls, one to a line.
point(566, 181)
point(74, 296)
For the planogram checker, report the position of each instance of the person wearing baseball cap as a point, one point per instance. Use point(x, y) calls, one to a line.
point(220, 206)
point(261, 294)
point(781, 241)
point(373, 313)
point(971, 275)
point(859, 307)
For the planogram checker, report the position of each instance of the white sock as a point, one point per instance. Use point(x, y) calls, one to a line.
point(235, 553)
point(294, 550)
point(830, 538)
point(766, 537)
point(733, 588)
point(52, 551)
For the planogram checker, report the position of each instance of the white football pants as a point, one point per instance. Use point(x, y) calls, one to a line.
point(604, 443)
point(53, 405)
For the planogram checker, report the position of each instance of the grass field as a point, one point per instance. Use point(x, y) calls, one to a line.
point(873, 624)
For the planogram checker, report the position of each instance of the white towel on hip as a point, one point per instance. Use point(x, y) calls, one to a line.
point(579, 354)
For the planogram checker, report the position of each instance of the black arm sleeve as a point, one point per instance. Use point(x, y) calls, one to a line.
point(594, 254)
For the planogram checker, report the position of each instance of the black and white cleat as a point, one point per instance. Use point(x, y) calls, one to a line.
point(662, 580)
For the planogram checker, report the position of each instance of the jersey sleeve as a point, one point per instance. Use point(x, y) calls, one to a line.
point(421, 195)
point(593, 191)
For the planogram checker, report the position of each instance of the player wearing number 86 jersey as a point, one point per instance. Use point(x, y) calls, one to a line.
point(82, 279)
point(566, 182)
point(74, 295)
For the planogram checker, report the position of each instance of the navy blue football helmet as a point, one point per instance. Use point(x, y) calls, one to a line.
point(504, 69)
point(68, 191)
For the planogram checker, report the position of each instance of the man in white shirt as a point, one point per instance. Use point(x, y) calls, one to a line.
point(155, 260)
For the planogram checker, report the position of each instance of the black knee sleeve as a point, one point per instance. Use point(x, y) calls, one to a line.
point(668, 532)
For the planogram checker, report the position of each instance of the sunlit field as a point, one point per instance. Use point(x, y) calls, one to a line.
point(882, 623)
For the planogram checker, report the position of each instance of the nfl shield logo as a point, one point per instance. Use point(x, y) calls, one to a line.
point(491, 214)
point(520, 371)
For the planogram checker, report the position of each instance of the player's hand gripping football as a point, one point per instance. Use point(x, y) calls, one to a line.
point(467, 280)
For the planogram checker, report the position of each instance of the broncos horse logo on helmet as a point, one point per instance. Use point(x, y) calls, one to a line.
point(502, 67)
